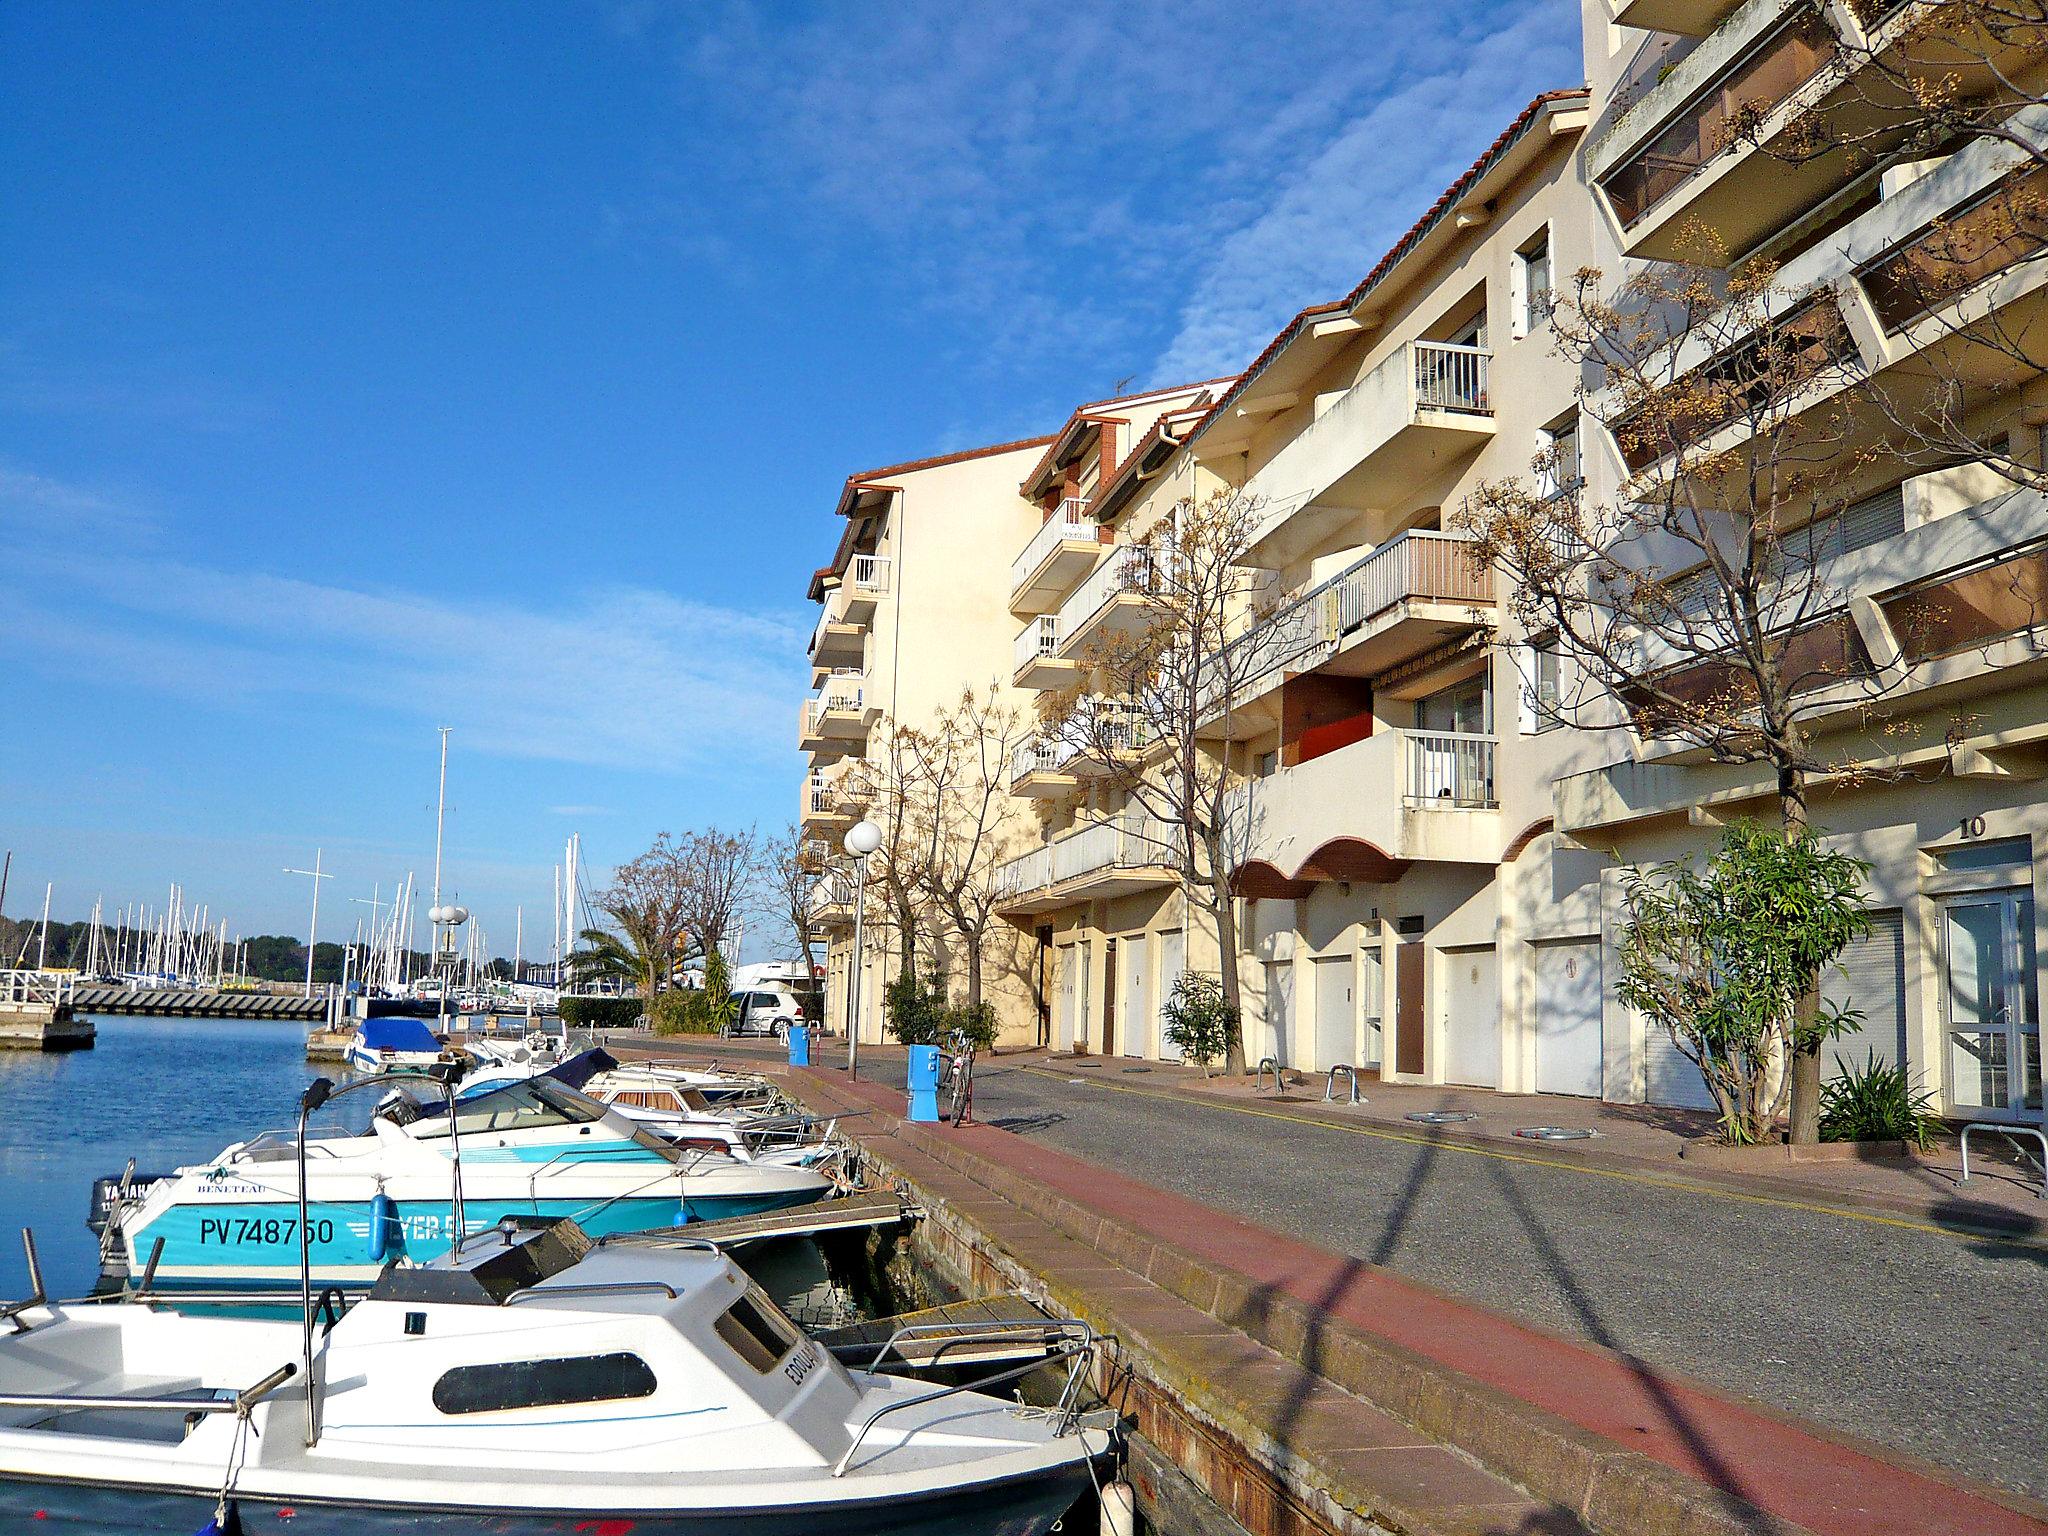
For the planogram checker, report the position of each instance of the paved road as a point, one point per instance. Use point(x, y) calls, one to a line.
point(1933, 1344)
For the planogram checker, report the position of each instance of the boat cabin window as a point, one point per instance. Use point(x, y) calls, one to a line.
point(543, 1383)
point(757, 1331)
point(519, 1106)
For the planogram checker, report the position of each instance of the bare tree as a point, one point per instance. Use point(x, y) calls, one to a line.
point(717, 871)
point(791, 865)
point(962, 816)
point(1696, 604)
point(647, 902)
point(1143, 717)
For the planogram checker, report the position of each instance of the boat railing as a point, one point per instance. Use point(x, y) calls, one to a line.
point(1077, 1349)
point(607, 1288)
point(236, 1402)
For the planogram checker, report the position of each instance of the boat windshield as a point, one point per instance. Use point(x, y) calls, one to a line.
point(526, 1105)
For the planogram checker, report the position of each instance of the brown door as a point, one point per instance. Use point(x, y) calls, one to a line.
point(1408, 1008)
point(1109, 997)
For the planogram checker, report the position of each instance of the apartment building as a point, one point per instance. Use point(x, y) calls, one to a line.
point(936, 562)
point(1938, 564)
point(1396, 783)
point(912, 612)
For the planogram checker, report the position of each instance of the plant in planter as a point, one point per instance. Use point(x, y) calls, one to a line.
point(1200, 1024)
point(1876, 1102)
point(1725, 956)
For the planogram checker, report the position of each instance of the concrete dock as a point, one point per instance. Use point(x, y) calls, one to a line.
point(38, 1013)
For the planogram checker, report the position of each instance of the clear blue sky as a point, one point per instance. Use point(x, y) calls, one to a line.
point(370, 368)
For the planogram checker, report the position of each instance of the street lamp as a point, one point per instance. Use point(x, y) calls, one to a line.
point(862, 839)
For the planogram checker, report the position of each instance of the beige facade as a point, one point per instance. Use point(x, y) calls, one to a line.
point(1429, 882)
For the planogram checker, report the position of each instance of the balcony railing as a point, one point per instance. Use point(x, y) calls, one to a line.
point(843, 693)
point(833, 891)
point(870, 573)
point(1128, 570)
point(1039, 756)
point(818, 795)
point(1129, 842)
point(1069, 523)
point(1040, 638)
point(1418, 565)
point(1450, 377)
point(1450, 769)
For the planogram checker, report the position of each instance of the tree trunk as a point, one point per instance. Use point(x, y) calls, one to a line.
point(1226, 974)
point(1804, 1067)
point(972, 941)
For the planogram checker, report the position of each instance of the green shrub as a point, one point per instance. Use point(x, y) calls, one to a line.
point(1199, 1023)
point(679, 1011)
point(915, 1009)
point(602, 1012)
point(1876, 1102)
point(976, 1022)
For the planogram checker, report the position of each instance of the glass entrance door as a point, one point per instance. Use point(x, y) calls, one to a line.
point(1994, 1018)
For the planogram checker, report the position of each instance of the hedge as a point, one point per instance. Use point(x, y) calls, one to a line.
point(602, 1012)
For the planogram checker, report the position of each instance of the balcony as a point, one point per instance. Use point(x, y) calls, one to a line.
point(1693, 18)
point(1699, 151)
point(837, 643)
point(832, 900)
point(1425, 407)
point(1102, 731)
point(1037, 662)
point(836, 719)
point(1410, 595)
point(823, 808)
point(1109, 858)
point(867, 579)
point(1060, 553)
point(1110, 604)
point(1369, 810)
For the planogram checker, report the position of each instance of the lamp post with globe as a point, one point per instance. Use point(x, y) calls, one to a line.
point(862, 839)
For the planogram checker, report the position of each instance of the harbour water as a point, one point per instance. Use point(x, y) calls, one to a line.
point(165, 1092)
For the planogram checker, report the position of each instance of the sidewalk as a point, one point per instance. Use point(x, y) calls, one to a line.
point(2001, 1198)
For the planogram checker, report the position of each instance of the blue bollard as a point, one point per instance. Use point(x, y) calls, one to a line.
point(924, 1083)
point(799, 1045)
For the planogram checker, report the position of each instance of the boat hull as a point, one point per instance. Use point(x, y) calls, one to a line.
point(1024, 1506)
point(256, 1243)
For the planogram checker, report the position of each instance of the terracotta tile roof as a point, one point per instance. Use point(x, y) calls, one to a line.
point(1401, 247)
point(1096, 410)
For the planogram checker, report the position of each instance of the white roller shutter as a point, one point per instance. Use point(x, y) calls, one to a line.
point(1871, 975)
point(1669, 1077)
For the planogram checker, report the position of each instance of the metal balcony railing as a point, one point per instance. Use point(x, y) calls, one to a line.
point(843, 693)
point(1036, 756)
point(870, 573)
point(1451, 769)
point(1449, 377)
point(1069, 523)
point(819, 796)
point(1040, 637)
point(1131, 841)
point(1129, 569)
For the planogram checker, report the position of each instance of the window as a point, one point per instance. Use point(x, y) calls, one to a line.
point(543, 1383)
point(2008, 597)
point(1996, 854)
point(1558, 471)
point(758, 1333)
point(1532, 285)
point(1542, 685)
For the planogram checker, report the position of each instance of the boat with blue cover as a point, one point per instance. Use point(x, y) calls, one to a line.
point(534, 1148)
point(393, 1045)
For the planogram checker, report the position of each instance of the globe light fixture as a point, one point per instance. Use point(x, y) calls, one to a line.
point(863, 838)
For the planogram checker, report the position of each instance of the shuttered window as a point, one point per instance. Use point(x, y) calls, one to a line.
point(1870, 975)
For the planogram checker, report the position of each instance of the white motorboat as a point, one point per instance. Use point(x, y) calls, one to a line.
point(533, 1147)
point(533, 1382)
point(393, 1045)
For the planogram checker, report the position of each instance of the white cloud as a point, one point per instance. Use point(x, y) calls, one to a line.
point(1055, 182)
point(623, 677)
point(1343, 209)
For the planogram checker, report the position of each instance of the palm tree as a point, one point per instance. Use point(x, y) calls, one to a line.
point(630, 956)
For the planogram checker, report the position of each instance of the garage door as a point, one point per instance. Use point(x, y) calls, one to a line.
point(1471, 1017)
point(1336, 1012)
point(1064, 1039)
point(1668, 1077)
point(1568, 1003)
point(1870, 975)
point(1173, 960)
